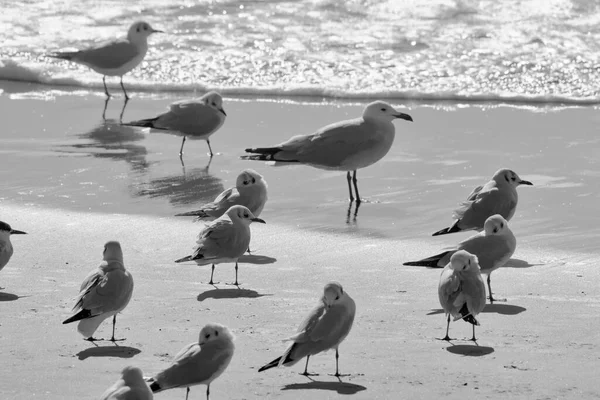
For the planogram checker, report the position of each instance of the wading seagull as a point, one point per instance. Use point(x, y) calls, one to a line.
point(6, 248)
point(250, 191)
point(104, 293)
point(198, 363)
point(324, 328)
point(461, 290)
point(197, 119)
point(493, 248)
point(131, 386)
point(115, 58)
point(224, 240)
point(498, 196)
point(342, 146)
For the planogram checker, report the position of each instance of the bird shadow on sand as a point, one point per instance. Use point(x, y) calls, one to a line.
point(108, 351)
point(504, 309)
point(256, 259)
point(230, 293)
point(339, 387)
point(9, 296)
point(516, 263)
point(471, 350)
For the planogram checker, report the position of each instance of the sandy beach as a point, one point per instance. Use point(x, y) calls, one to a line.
point(74, 181)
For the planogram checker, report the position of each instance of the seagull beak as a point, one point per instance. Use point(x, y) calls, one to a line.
point(525, 183)
point(157, 31)
point(16, 232)
point(223, 111)
point(403, 116)
point(256, 219)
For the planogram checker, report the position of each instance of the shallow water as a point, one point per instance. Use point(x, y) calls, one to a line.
point(522, 50)
point(56, 151)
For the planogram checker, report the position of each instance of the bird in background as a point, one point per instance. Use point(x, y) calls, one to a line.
point(224, 240)
point(325, 328)
point(498, 196)
point(199, 363)
point(6, 248)
point(131, 386)
point(461, 290)
point(197, 119)
point(493, 248)
point(250, 191)
point(104, 293)
point(115, 58)
point(343, 146)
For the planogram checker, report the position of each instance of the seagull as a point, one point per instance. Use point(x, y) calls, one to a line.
point(197, 118)
point(224, 240)
point(250, 191)
point(342, 146)
point(115, 58)
point(493, 248)
point(323, 329)
point(131, 386)
point(6, 248)
point(461, 290)
point(498, 196)
point(198, 363)
point(105, 292)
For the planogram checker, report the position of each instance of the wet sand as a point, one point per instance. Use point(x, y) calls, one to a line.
point(73, 182)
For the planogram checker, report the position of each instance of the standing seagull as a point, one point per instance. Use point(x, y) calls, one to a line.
point(115, 58)
point(104, 293)
point(198, 118)
point(131, 386)
point(224, 240)
point(493, 248)
point(198, 363)
point(342, 146)
point(324, 328)
point(498, 196)
point(461, 290)
point(6, 249)
point(250, 191)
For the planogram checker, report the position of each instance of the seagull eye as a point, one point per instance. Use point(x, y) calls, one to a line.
point(253, 180)
point(501, 225)
point(384, 109)
point(216, 333)
point(337, 297)
point(207, 336)
point(495, 230)
point(245, 215)
point(245, 182)
point(214, 104)
point(138, 29)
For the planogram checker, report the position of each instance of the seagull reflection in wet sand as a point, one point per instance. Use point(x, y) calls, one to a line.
point(122, 109)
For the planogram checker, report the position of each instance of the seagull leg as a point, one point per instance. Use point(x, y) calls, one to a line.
point(490, 288)
point(181, 149)
point(211, 275)
point(105, 88)
point(209, 148)
point(187, 393)
point(105, 106)
point(93, 339)
point(354, 180)
point(123, 87)
point(349, 178)
point(123, 109)
point(236, 274)
point(447, 338)
point(207, 391)
point(305, 373)
point(112, 339)
point(474, 339)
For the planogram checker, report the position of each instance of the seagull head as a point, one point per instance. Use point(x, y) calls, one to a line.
point(131, 375)
point(507, 176)
point(464, 261)
point(243, 215)
point(139, 31)
point(248, 178)
point(382, 111)
point(333, 293)
point(112, 251)
point(213, 332)
point(5, 229)
point(214, 101)
point(495, 225)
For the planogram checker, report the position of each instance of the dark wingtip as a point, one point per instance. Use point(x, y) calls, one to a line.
point(79, 316)
point(155, 387)
point(454, 228)
point(186, 258)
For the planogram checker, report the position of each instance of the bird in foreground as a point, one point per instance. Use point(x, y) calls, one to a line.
point(224, 240)
point(131, 386)
point(461, 290)
point(115, 58)
point(493, 248)
point(197, 118)
point(323, 329)
point(105, 292)
point(198, 363)
point(343, 146)
point(498, 196)
point(250, 191)
point(6, 248)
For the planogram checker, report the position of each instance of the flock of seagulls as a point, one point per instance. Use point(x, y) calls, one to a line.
point(343, 146)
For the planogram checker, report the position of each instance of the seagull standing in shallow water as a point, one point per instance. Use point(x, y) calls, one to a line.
point(114, 58)
point(343, 146)
point(6, 248)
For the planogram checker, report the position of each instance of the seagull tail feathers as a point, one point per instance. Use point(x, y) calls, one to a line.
point(454, 228)
point(467, 316)
point(184, 259)
point(144, 123)
point(267, 154)
point(83, 314)
point(431, 262)
point(272, 364)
